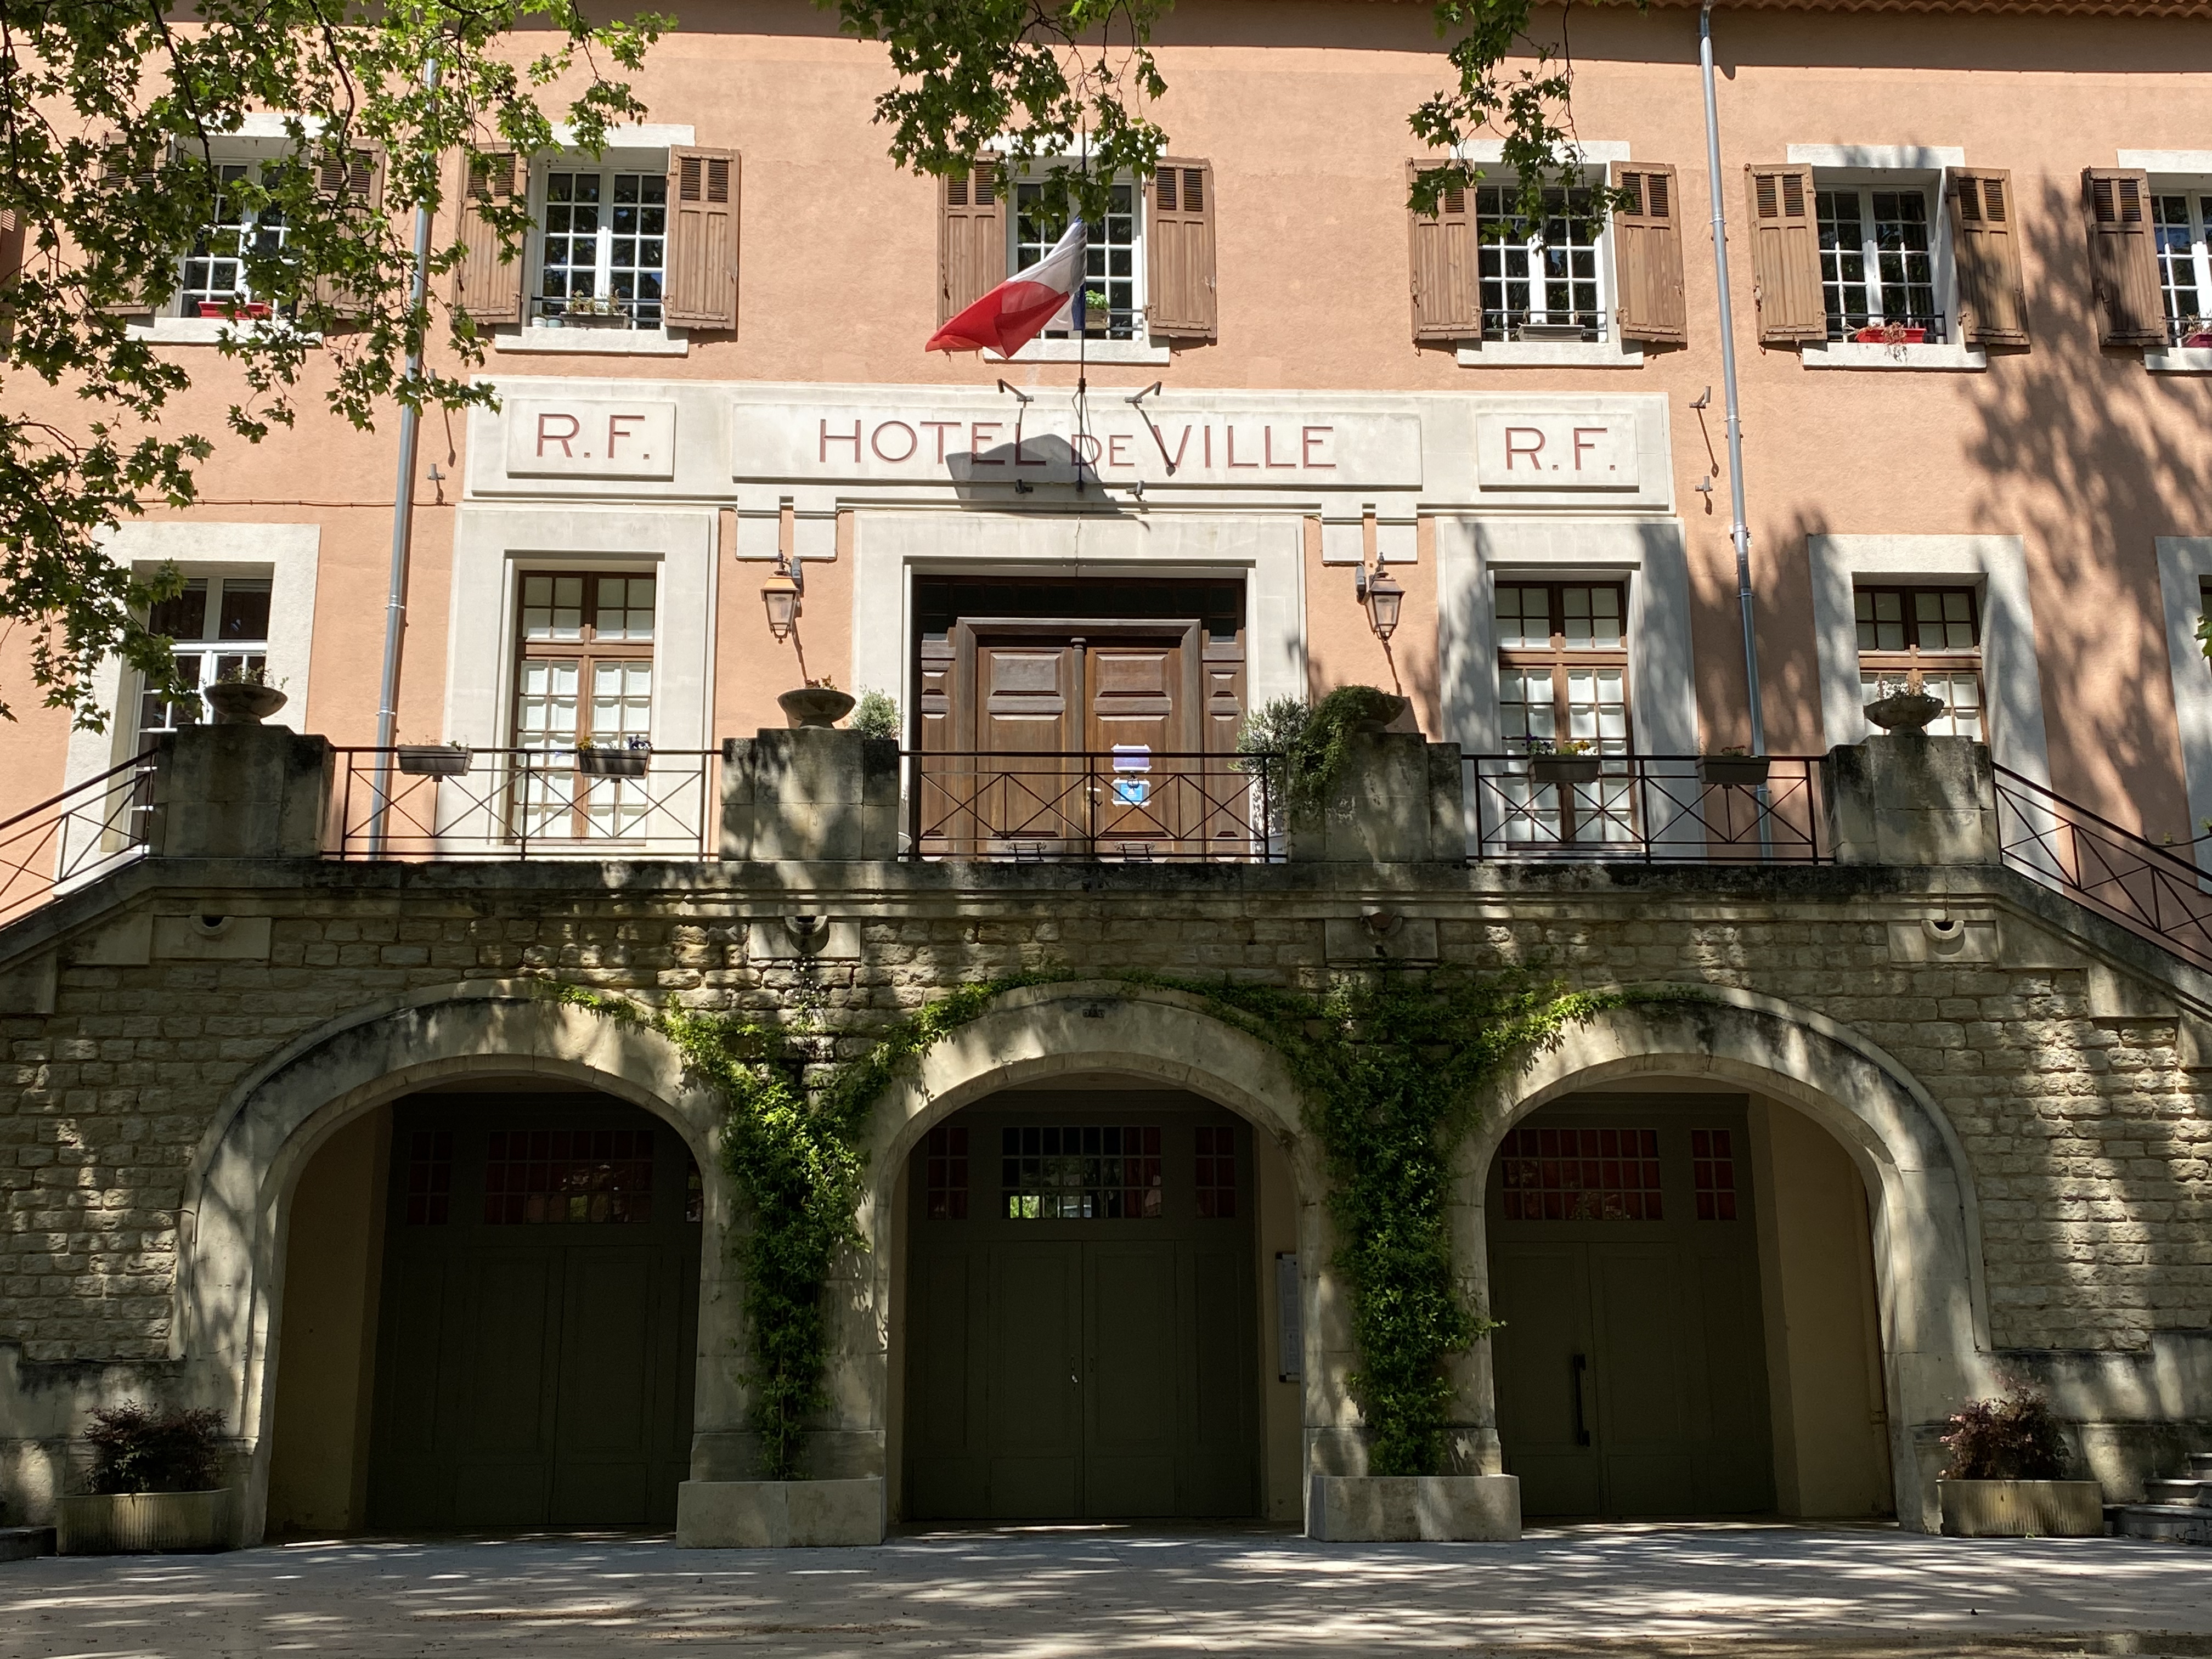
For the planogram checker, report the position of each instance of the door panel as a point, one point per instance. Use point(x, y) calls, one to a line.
point(1028, 717)
point(1642, 1413)
point(1218, 1472)
point(1133, 713)
point(1542, 1294)
point(1129, 1450)
point(603, 1439)
point(1035, 1418)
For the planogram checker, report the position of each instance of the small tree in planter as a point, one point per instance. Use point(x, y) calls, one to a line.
point(2005, 1477)
point(156, 1484)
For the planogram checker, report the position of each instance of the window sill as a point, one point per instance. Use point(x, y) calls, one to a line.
point(595, 342)
point(2179, 360)
point(195, 330)
point(1852, 354)
point(1550, 354)
point(1096, 351)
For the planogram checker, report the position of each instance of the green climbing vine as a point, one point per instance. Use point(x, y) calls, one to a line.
point(1303, 748)
point(1391, 1066)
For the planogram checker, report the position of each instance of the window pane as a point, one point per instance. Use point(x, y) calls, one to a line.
point(245, 610)
point(1524, 616)
point(1843, 260)
point(1907, 278)
point(183, 616)
point(2177, 257)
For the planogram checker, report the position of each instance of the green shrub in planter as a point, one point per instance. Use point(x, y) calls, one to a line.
point(155, 1485)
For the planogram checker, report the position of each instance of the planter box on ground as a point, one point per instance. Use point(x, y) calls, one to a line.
point(751, 1515)
point(2021, 1509)
point(1403, 1509)
point(132, 1523)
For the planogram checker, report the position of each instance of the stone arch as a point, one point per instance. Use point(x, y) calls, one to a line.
point(1926, 1217)
point(234, 1220)
point(1034, 1033)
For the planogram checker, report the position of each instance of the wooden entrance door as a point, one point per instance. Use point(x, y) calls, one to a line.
point(1630, 1366)
point(1067, 734)
point(1065, 1361)
point(538, 1333)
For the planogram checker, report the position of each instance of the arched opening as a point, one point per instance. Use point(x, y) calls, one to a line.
point(490, 1313)
point(1685, 1276)
point(1092, 1326)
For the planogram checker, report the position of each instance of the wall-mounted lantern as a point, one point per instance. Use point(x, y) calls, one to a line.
point(1382, 597)
point(780, 594)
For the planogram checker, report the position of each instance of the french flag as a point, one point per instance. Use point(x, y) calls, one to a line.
point(1020, 308)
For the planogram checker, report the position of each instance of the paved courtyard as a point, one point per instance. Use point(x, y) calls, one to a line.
point(1038, 1594)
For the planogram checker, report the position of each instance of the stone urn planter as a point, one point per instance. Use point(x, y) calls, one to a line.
point(1395, 707)
point(2021, 1509)
point(131, 1523)
point(815, 707)
point(1906, 712)
point(242, 702)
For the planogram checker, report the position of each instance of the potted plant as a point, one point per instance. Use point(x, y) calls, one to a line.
point(817, 705)
point(1736, 766)
point(1891, 334)
point(235, 310)
point(623, 760)
point(876, 715)
point(242, 695)
point(156, 1484)
point(2003, 1481)
point(434, 760)
point(2193, 332)
point(1571, 760)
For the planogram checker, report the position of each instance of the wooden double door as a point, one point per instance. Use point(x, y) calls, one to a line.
point(1051, 735)
point(1067, 1367)
point(1630, 1366)
point(538, 1324)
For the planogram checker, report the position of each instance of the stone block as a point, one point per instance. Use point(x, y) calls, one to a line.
point(1911, 801)
point(1379, 935)
point(804, 793)
point(239, 792)
point(27, 987)
point(778, 1514)
point(1395, 1509)
point(211, 938)
point(1400, 801)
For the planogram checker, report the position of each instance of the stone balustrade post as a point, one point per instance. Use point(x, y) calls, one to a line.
point(239, 792)
point(808, 792)
point(1911, 799)
point(1400, 800)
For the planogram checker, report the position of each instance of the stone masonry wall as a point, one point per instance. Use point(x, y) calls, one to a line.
point(2065, 1056)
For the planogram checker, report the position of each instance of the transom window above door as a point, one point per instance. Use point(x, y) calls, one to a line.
point(1878, 263)
point(604, 248)
point(1935, 630)
point(219, 629)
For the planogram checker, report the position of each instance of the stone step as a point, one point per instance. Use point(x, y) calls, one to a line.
point(23, 1543)
point(2191, 1493)
point(2171, 1524)
point(2200, 1465)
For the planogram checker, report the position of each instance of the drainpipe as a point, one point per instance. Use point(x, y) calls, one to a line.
point(1739, 532)
point(403, 528)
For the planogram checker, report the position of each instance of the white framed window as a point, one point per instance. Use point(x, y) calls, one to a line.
point(1114, 259)
point(602, 245)
point(2180, 217)
point(1545, 282)
point(219, 627)
point(583, 680)
point(213, 280)
point(1936, 630)
point(1878, 263)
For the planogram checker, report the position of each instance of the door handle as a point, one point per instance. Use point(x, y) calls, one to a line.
point(1579, 1366)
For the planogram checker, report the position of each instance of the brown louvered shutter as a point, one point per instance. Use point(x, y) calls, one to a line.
point(700, 290)
point(1647, 254)
point(1785, 256)
point(356, 177)
point(971, 237)
point(114, 173)
point(2123, 256)
point(1447, 291)
point(486, 284)
point(11, 244)
point(1985, 247)
point(1180, 301)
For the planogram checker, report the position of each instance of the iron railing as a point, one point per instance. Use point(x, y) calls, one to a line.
point(1653, 808)
point(2149, 890)
point(1128, 806)
point(81, 833)
point(440, 803)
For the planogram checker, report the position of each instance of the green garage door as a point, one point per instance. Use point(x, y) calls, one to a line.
point(1624, 1261)
point(1080, 1325)
point(538, 1324)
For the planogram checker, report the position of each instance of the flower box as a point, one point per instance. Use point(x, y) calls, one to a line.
point(1744, 771)
point(613, 763)
point(228, 310)
point(1546, 770)
point(129, 1523)
point(2198, 339)
point(2020, 1509)
point(432, 760)
point(1883, 334)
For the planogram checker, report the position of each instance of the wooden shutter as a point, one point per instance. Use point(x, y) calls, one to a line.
point(2123, 256)
point(1647, 255)
point(357, 179)
point(1785, 256)
point(487, 283)
point(115, 174)
point(1985, 246)
point(1447, 290)
point(971, 237)
point(700, 290)
point(11, 244)
point(1180, 300)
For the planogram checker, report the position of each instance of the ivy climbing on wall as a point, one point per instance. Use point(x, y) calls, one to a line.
point(1391, 1066)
